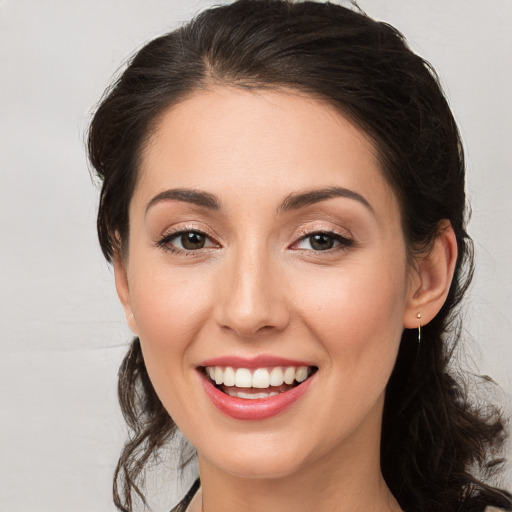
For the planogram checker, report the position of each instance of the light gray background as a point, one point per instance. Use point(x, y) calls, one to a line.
point(62, 331)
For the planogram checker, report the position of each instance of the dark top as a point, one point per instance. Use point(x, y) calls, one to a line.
point(184, 503)
point(478, 504)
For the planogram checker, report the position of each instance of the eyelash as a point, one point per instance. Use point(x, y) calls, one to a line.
point(165, 241)
point(344, 243)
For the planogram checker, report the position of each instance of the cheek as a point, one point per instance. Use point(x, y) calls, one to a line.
point(357, 314)
point(356, 318)
point(169, 308)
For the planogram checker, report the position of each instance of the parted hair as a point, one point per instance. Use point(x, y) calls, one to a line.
point(439, 446)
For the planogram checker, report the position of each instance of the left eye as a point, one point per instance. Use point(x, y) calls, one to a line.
point(188, 241)
point(322, 241)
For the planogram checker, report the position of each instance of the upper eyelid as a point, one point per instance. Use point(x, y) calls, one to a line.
point(306, 232)
point(333, 234)
point(166, 243)
point(187, 229)
point(345, 240)
point(169, 235)
point(298, 236)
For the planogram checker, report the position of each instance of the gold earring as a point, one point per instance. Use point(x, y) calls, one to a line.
point(418, 316)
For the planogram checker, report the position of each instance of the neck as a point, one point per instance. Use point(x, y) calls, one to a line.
point(345, 480)
point(279, 496)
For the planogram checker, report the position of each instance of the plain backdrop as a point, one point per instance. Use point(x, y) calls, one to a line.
point(62, 330)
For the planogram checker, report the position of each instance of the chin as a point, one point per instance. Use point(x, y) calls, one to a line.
point(258, 464)
point(271, 455)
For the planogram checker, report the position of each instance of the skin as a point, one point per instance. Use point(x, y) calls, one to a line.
point(259, 287)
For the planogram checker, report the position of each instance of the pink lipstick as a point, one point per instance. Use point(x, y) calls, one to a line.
point(255, 388)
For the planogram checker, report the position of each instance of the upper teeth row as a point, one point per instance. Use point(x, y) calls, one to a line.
point(258, 378)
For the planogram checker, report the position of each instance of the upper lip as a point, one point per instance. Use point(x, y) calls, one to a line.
point(260, 361)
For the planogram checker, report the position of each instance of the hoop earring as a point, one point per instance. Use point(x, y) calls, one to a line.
point(418, 316)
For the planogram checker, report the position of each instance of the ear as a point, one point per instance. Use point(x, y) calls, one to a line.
point(431, 278)
point(123, 289)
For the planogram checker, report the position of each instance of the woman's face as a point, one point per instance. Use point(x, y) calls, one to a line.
point(265, 245)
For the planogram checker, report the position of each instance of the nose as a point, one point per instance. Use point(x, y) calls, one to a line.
point(252, 296)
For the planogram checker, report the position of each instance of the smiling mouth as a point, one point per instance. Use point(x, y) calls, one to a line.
point(257, 383)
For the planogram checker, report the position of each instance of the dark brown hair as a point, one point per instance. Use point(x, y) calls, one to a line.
point(435, 439)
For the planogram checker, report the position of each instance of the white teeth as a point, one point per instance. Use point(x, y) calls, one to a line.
point(289, 375)
point(229, 376)
point(243, 378)
point(276, 376)
point(260, 378)
point(251, 396)
point(301, 374)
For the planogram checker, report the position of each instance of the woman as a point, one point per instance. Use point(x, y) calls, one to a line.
point(283, 203)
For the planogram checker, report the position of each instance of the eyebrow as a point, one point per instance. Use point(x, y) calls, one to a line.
point(197, 197)
point(292, 202)
point(299, 200)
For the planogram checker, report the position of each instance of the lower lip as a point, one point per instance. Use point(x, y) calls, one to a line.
point(257, 409)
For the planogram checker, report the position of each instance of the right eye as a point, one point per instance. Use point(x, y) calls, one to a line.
point(186, 241)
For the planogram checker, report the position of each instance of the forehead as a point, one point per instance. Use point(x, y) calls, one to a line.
point(248, 143)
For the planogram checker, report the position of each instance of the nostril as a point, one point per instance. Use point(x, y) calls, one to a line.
point(251, 305)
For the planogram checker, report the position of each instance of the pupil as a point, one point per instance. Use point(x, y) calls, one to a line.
point(192, 241)
point(322, 242)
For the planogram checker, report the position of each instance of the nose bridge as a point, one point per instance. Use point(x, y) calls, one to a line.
point(252, 298)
